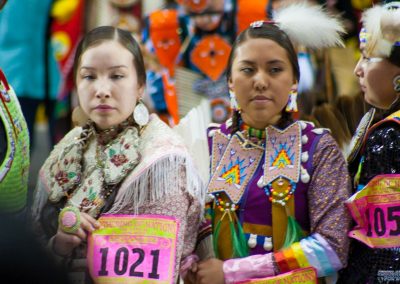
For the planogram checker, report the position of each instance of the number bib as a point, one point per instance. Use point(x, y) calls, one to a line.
point(133, 249)
point(376, 209)
point(307, 275)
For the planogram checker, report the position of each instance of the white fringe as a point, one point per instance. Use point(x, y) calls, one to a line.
point(310, 26)
point(169, 175)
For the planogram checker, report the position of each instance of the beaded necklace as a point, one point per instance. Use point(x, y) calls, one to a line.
point(280, 191)
point(252, 132)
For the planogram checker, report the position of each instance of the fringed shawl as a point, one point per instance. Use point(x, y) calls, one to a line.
point(165, 169)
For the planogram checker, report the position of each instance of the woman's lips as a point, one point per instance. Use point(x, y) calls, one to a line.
point(103, 108)
point(260, 99)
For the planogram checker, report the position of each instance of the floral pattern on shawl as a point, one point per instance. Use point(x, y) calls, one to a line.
point(109, 164)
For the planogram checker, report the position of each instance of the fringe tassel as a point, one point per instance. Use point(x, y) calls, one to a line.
point(242, 247)
point(216, 237)
point(166, 176)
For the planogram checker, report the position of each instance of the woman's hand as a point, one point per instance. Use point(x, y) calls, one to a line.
point(210, 271)
point(64, 243)
point(190, 277)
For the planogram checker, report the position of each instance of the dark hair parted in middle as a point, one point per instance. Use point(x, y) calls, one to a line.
point(274, 33)
point(109, 33)
point(266, 31)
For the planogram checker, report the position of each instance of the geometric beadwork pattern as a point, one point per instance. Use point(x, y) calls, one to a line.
point(282, 153)
point(219, 143)
point(235, 169)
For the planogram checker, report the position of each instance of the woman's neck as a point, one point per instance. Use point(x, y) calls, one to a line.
point(104, 136)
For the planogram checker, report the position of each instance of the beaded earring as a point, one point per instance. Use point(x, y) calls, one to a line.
point(292, 103)
point(234, 103)
point(141, 114)
point(396, 83)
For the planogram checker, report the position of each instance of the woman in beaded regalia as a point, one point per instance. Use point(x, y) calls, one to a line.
point(279, 185)
point(122, 188)
point(374, 162)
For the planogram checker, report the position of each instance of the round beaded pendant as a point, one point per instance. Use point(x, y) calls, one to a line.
point(280, 191)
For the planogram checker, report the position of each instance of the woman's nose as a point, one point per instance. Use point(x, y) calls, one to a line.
point(261, 82)
point(358, 69)
point(103, 89)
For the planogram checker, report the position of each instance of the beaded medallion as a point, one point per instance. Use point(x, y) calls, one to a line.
point(235, 169)
point(361, 131)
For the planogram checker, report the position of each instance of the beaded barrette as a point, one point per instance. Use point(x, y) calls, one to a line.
point(259, 24)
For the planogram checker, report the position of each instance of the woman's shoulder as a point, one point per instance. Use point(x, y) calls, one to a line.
point(224, 128)
point(157, 134)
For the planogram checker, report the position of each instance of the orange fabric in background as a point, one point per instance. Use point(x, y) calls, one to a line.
point(250, 11)
point(164, 27)
point(211, 56)
point(170, 97)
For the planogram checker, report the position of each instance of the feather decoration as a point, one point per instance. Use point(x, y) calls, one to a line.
point(390, 25)
point(371, 20)
point(382, 24)
point(309, 26)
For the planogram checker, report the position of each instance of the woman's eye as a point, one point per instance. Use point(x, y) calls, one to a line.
point(246, 70)
point(117, 76)
point(274, 70)
point(88, 77)
point(365, 58)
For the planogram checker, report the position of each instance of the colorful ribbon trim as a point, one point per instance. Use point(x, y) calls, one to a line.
point(312, 251)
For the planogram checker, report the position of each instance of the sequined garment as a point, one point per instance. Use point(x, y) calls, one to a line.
point(367, 265)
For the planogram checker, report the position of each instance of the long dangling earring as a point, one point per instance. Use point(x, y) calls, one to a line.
point(234, 103)
point(141, 114)
point(396, 83)
point(292, 103)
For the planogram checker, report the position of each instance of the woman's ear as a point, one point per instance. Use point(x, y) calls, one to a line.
point(230, 84)
point(141, 90)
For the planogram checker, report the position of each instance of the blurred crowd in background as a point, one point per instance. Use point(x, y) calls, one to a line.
point(186, 46)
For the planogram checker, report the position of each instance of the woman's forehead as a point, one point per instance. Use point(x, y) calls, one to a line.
point(260, 48)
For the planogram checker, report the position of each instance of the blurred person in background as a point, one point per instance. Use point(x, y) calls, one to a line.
point(374, 160)
point(14, 151)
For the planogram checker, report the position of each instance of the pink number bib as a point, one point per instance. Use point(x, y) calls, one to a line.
point(376, 209)
point(133, 249)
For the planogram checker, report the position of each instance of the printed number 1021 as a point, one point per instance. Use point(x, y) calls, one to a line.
point(121, 261)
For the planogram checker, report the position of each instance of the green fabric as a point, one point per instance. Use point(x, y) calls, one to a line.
point(294, 233)
point(14, 169)
point(239, 243)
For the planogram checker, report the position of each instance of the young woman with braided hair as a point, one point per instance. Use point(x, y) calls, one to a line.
point(279, 185)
